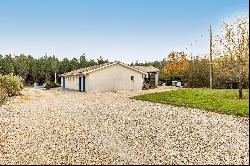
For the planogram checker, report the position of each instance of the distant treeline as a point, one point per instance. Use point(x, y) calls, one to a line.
point(42, 69)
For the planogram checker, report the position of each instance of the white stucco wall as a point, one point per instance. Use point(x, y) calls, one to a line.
point(72, 82)
point(157, 79)
point(61, 82)
point(114, 78)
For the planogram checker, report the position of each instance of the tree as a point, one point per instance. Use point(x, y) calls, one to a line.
point(74, 64)
point(22, 66)
point(234, 46)
point(64, 66)
point(156, 64)
point(197, 72)
point(7, 64)
point(1, 63)
point(175, 65)
point(83, 61)
point(54, 66)
point(101, 60)
point(42, 69)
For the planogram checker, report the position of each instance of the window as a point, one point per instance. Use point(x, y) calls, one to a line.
point(132, 78)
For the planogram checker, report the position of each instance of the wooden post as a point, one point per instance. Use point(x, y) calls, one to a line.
point(55, 77)
point(211, 58)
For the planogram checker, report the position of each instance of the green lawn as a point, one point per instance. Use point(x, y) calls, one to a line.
point(218, 100)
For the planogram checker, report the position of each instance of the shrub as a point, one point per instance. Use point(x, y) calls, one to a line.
point(3, 95)
point(47, 85)
point(51, 85)
point(10, 85)
point(19, 79)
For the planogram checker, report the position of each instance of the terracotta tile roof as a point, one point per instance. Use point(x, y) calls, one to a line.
point(147, 68)
point(90, 69)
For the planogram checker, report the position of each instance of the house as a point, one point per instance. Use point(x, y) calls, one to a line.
point(152, 76)
point(114, 76)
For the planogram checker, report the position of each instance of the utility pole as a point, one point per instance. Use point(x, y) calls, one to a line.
point(211, 58)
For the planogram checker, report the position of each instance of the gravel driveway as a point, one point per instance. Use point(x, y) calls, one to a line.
point(54, 127)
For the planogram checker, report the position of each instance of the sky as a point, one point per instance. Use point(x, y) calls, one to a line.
point(124, 30)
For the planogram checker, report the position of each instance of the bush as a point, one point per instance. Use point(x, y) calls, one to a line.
point(10, 85)
point(51, 85)
point(19, 79)
point(3, 95)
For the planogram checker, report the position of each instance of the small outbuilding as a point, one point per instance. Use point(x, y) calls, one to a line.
point(152, 76)
point(114, 76)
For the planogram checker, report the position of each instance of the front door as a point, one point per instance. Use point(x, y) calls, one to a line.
point(80, 83)
point(83, 83)
point(63, 82)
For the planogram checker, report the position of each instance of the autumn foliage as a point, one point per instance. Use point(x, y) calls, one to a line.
point(230, 60)
point(191, 72)
point(177, 63)
point(232, 54)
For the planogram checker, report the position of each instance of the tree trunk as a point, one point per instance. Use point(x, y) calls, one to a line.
point(241, 82)
point(240, 91)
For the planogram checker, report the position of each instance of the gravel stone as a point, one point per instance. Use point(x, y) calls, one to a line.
point(70, 127)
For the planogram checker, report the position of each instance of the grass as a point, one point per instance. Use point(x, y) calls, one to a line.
point(218, 100)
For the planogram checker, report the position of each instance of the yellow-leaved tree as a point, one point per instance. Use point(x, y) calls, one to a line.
point(233, 48)
point(175, 65)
